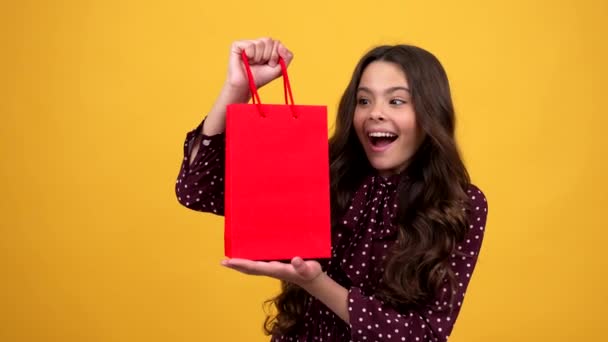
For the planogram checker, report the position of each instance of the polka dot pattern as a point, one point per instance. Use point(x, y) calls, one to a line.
point(359, 247)
point(200, 183)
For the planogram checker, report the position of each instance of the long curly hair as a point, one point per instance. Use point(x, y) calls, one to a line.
point(431, 199)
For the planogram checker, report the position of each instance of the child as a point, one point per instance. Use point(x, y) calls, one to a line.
point(407, 224)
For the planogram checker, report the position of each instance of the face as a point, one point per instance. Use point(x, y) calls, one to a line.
point(384, 119)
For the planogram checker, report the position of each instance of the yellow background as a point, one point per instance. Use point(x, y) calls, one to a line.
point(96, 98)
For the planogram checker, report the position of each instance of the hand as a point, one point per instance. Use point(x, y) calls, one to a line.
point(263, 56)
point(306, 274)
point(299, 271)
point(264, 61)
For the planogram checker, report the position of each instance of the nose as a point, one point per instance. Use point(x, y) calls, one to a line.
point(377, 113)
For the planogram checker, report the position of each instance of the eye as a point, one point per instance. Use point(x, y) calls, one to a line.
point(397, 102)
point(362, 101)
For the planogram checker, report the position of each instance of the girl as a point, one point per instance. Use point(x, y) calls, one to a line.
point(407, 224)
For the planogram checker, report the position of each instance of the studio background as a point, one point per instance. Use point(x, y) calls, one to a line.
point(96, 98)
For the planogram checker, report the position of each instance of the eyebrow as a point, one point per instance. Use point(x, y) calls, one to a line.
point(387, 91)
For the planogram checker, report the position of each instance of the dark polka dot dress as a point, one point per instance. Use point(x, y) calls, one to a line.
point(360, 245)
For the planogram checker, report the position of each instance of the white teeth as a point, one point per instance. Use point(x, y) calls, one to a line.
point(382, 135)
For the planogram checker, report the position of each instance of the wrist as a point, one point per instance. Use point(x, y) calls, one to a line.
point(314, 285)
point(234, 94)
point(330, 293)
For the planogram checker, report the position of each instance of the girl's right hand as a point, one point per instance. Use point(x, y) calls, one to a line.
point(264, 61)
point(263, 57)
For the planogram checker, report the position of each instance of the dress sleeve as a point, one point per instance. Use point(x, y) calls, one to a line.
point(200, 183)
point(373, 320)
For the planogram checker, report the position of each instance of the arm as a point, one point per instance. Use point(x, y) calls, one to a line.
point(200, 184)
point(369, 317)
point(372, 319)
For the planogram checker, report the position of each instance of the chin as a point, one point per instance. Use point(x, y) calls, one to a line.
point(387, 169)
point(384, 170)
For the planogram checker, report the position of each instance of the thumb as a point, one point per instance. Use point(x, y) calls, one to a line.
point(300, 266)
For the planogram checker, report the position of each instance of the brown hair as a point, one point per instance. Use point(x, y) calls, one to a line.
point(431, 191)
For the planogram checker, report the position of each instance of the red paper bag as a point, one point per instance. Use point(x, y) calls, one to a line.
point(277, 179)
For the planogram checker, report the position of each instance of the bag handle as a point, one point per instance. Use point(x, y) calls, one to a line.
point(254, 90)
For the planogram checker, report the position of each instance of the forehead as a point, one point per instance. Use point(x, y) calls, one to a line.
point(382, 74)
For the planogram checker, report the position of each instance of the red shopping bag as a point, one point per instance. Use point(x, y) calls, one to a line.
point(277, 202)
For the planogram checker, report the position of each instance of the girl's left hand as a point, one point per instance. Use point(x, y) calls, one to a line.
point(300, 272)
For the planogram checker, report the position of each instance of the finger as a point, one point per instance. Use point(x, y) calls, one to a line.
point(254, 267)
point(274, 55)
point(236, 49)
point(285, 53)
point(250, 51)
point(300, 267)
point(243, 266)
point(243, 45)
point(245, 271)
point(268, 43)
point(259, 51)
point(236, 262)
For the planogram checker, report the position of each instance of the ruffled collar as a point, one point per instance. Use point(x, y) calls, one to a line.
point(373, 207)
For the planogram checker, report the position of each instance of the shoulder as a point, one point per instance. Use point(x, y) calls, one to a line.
point(476, 215)
point(478, 205)
point(476, 196)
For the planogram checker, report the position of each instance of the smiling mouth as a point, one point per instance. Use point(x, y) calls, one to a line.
point(381, 140)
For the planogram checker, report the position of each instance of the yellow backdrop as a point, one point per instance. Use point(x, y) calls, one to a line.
point(97, 96)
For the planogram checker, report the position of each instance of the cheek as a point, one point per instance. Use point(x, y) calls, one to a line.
point(410, 130)
point(358, 121)
point(407, 124)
